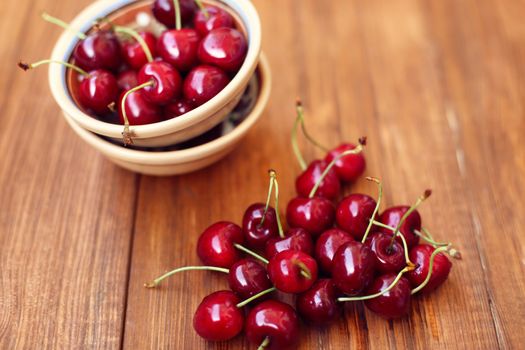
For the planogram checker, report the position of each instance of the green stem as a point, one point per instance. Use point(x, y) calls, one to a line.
point(252, 253)
point(264, 344)
point(430, 267)
point(258, 295)
point(126, 134)
point(430, 240)
point(135, 35)
point(305, 271)
point(178, 22)
point(378, 203)
point(273, 175)
point(426, 232)
point(202, 8)
point(425, 235)
point(405, 249)
point(48, 18)
point(26, 66)
point(276, 201)
point(295, 145)
point(156, 281)
point(380, 224)
point(300, 115)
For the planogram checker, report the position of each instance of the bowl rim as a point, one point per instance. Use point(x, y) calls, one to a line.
point(190, 154)
point(83, 21)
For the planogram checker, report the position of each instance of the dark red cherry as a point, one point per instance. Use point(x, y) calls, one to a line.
point(218, 318)
point(296, 239)
point(99, 50)
point(353, 268)
point(315, 215)
point(318, 305)
point(223, 47)
point(275, 321)
point(326, 246)
point(164, 11)
point(420, 256)
point(202, 83)
point(329, 188)
point(292, 271)
point(393, 215)
point(98, 90)
point(167, 82)
point(179, 48)
point(255, 234)
point(349, 167)
point(389, 258)
point(133, 52)
point(393, 304)
point(176, 109)
point(127, 80)
point(138, 109)
point(217, 18)
point(354, 212)
point(247, 278)
point(215, 246)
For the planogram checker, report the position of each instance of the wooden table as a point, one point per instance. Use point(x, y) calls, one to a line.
point(437, 86)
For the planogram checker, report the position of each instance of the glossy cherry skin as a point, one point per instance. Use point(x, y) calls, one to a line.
point(179, 48)
point(98, 90)
point(327, 244)
point(215, 246)
point(388, 258)
point(247, 277)
point(139, 110)
point(217, 18)
point(275, 320)
point(353, 268)
point(393, 215)
point(353, 214)
point(99, 50)
point(223, 47)
point(255, 234)
point(350, 167)
point(315, 215)
point(167, 82)
point(393, 304)
point(284, 271)
point(329, 188)
point(164, 11)
point(218, 318)
point(296, 239)
point(202, 83)
point(133, 52)
point(127, 80)
point(318, 305)
point(420, 256)
point(176, 109)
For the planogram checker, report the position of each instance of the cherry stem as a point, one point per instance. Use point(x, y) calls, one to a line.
point(250, 252)
point(295, 146)
point(300, 115)
point(126, 134)
point(273, 183)
point(304, 270)
point(178, 22)
point(430, 267)
point(378, 203)
point(202, 8)
point(378, 294)
point(135, 35)
point(264, 344)
point(48, 18)
point(357, 150)
point(256, 296)
point(156, 281)
point(380, 224)
point(27, 66)
point(456, 254)
point(403, 240)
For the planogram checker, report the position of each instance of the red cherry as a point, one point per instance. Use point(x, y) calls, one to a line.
point(99, 50)
point(420, 256)
point(167, 82)
point(292, 271)
point(202, 83)
point(274, 323)
point(223, 47)
point(127, 80)
point(327, 244)
point(98, 90)
point(354, 212)
point(315, 215)
point(179, 48)
point(216, 18)
point(393, 215)
point(176, 109)
point(296, 239)
point(247, 278)
point(318, 305)
point(218, 318)
point(257, 235)
point(347, 168)
point(216, 244)
point(133, 53)
point(389, 258)
point(329, 188)
point(353, 268)
point(138, 109)
point(393, 304)
point(164, 11)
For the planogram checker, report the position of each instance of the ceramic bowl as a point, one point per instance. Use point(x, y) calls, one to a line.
point(174, 130)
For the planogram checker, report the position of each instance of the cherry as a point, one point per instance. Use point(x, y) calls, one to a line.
point(273, 325)
point(179, 48)
point(127, 80)
point(167, 82)
point(389, 258)
point(420, 255)
point(247, 278)
point(212, 17)
point(296, 239)
point(216, 244)
point(223, 47)
point(202, 83)
point(256, 233)
point(133, 52)
point(139, 110)
point(327, 245)
point(315, 215)
point(348, 168)
point(330, 187)
point(318, 305)
point(164, 11)
point(176, 109)
point(353, 268)
point(292, 271)
point(218, 318)
point(392, 216)
point(395, 302)
point(354, 212)
point(99, 50)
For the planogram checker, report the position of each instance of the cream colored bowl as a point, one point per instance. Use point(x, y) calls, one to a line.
point(186, 160)
point(174, 130)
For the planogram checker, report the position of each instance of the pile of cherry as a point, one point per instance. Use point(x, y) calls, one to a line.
point(152, 79)
point(331, 254)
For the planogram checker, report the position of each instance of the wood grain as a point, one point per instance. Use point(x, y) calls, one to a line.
point(438, 88)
